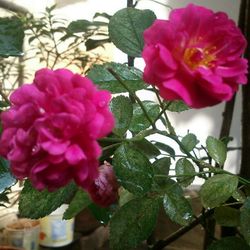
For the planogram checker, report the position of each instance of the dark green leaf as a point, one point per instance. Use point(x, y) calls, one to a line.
point(161, 166)
point(176, 106)
point(108, 148)
point(79, 202)
point(218, 189)
point(133, 169)
point(11, 37)
point(6, 179)
point(133, 223)
point(227, 216)
point(229, 243)
point(216, 149)
point(132, 77)
point(139, 121)
point(103, 215)
point(36, 204)
point(189, 142)
point(105, 15)
point(84, 26)
point(239, 196)
point(122, 109)
point(165, 148)
point(245, 220)
point(147, 148)
point(186, 170)
point(176, 205)
point(4, 104)
point(93, 43)
point(126, 29)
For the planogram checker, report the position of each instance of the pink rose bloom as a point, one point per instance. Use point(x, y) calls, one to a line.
point(104, 190)
point(195, 56)
point(51, 130)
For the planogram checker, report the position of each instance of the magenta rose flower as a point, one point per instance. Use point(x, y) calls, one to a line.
point(195, 56)
point(51, 130)
point(104, 190)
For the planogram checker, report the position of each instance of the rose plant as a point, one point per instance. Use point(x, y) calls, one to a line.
point(72, 142)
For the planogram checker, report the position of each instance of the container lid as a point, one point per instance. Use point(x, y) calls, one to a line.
point(22, 224)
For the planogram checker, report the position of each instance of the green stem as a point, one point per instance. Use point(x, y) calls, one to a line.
point(181, 175)
point(176, 139)
point(231, 204)
point(117, 77)
point(111, 146)
point(5, 98)
point(169, 125)
point(109, 139)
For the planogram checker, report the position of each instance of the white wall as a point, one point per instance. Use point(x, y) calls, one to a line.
point(202, 122)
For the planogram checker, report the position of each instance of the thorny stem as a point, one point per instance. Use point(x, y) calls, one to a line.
point(117, 77)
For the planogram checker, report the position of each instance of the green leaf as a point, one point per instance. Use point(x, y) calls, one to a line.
point(103, 14)
point(189, 142)
point(218, 189)
point(82, 25)
point(131, 76)
point(176, 205)
point(245, 220)
point(122, 108)
point(94, 43)
point(79, 202)
point(185, 167)
point(36, 204)
point(6, 178)
point(133, 223)
point(126, 29)
point(103, 215)
point(216, 149)
point(4, 104)
point(133, 169)
point(227, 216)
point(108, 147)
point(165, 148)
point(139, 121)
point(125, 196)
point(11, 37)
point(239, 196)
point(176, 106)
point(229, 243)
point(147, 148)
point(161, 166)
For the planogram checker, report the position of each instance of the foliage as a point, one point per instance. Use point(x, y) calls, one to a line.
point(151, 173)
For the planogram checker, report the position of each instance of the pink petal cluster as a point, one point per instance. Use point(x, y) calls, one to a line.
point(104, 190)
point(195, 56)
point(51, 130)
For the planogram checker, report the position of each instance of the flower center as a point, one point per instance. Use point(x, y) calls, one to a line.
point(199, 57)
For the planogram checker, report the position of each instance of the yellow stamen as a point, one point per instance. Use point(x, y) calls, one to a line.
point(199, 57)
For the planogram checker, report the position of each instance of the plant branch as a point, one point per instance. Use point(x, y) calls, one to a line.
point(117, 77)
point(5, 98)
point(169, 125)
point(176, 235)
